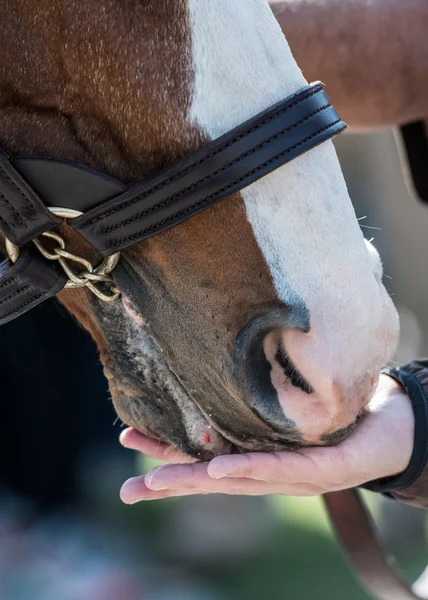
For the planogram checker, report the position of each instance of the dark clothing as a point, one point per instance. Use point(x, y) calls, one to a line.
point(411, 486)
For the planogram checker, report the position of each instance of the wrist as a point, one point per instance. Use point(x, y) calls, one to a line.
point(401, 422)
point(404, 429)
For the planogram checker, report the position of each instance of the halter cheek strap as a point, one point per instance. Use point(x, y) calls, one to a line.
point(27, 283)
point(23, 215)
point(116, 216)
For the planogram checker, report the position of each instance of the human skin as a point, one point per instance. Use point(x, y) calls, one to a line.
point(372, 55)
point(380, 446)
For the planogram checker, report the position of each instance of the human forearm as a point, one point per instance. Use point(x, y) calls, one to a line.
point(411, 485)
point(372, 56)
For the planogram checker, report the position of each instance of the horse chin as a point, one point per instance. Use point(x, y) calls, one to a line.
point(192, 434)
point(148, 396)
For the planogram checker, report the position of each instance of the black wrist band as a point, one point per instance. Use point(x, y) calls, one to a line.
point(419, 456)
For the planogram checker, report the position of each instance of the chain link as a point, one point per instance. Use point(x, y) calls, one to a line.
point(90, 277)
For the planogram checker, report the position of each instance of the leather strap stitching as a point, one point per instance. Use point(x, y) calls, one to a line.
point(205, 158)
point(13, 209)
point(17, 292)
point(170, 199)
point(209, 198)
point(18, 189)
point(19, 308)
point(7, 282)
point(5, 224)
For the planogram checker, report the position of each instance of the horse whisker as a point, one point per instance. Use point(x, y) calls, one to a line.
point(371, 227)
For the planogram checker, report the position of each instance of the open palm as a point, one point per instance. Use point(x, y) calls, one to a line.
point(380, 446)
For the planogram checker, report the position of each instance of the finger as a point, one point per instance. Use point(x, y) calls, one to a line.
point(196, 477)
point(134, 440)
point(327, 468)
point(285, 467)
point(178, 477)
point(136, 489)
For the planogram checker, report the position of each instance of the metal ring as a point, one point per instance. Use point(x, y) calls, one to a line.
point(14, 251)
point(103, 270)
point(65, 213)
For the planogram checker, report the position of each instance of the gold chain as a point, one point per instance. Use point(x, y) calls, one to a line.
point(90, 277)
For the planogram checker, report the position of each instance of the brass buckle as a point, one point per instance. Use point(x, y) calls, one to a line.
point(90, 276)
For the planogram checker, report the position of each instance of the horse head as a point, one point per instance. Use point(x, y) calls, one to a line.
point(259, 324)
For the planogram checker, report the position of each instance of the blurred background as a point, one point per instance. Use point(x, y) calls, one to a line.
point(64, 534)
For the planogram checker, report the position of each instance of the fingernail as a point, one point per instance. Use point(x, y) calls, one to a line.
point(217, 470)
point(153, 484)
point(129, 490)
point(123, 436)
point(218, 474)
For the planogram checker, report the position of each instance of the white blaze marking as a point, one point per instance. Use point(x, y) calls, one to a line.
point(301, 214)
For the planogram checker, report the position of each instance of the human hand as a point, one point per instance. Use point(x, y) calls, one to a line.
point(380, 446)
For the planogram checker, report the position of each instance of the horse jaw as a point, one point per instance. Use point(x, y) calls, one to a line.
point(302, 219)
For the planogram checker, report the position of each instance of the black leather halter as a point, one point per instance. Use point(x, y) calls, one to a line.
point(116, 216)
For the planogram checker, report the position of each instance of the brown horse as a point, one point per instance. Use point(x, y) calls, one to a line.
point(127, 87)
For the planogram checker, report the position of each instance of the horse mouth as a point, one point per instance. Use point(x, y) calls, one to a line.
point(165, 410)
point(184, 423)
point(198, 437)
point(181, 421)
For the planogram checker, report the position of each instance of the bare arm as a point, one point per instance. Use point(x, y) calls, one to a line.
point(372, 55)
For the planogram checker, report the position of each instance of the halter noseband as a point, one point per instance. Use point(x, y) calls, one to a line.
point(113, 216)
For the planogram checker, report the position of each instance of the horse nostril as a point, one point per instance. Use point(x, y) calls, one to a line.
point(263, 366)
point(283, 370)
point(300, 381)
point(281, 317)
